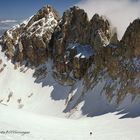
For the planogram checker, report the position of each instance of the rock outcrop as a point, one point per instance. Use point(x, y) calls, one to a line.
point(30, 40)
point(131, 40)
point(76, 46)
point(70, 30)
point(94, 34)
point(99, 31)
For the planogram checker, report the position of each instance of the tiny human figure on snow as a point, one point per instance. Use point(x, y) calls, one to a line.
point(90, 133)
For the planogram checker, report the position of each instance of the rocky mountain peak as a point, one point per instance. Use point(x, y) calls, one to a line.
point(29, 41)
point(100, 31)
point(45, 12)
point(74, 20)
point(101, 23)
point(72, 31)
point(79, 49)
point(75, 10)
point(46, 35)
point(131, 39)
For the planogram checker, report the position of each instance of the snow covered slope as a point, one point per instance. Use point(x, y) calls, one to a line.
point(23, 125)
point(31, 108)
point(39, 92)
point(51, 70)
point(18, 89)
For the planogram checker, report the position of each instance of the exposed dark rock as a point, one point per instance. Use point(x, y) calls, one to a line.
point(131, 40)
point(75, 44)
point(30, 41)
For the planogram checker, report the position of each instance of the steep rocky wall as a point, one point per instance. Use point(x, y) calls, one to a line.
point(30, 40)
point(75, 44)
point(131, 40)
point(75, 27)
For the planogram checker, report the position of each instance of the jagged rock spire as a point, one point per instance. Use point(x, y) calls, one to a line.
point(34, 36)
point(131, 39)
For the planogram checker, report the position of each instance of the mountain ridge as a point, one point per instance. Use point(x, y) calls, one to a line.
point(86, 55)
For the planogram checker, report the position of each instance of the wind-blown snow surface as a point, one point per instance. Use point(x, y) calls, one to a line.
point(106, 127)
point(34, 106)
point(25, 93)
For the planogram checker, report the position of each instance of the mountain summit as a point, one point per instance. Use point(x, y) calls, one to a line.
point(81, 54)
point(30, 39)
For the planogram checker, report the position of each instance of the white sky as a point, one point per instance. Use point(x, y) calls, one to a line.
point(119, 12)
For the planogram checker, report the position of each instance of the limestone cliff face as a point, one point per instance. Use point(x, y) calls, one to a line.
point(99, 32)
point(30, 40)
point(71, 30)
point(131, 39)
point(44, 35)
point(79, 48)
point(74, 28)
